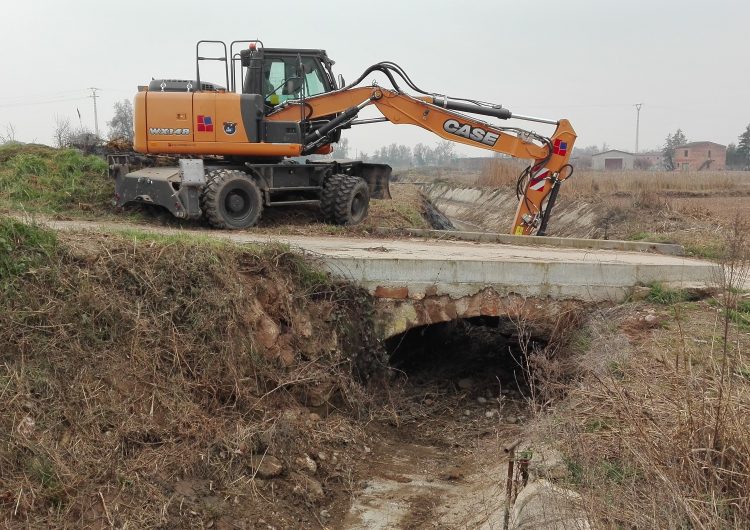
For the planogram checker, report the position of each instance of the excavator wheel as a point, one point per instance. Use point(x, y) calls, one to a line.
point(345, 199)
point(231, 199)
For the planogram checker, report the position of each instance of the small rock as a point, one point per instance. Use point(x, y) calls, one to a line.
point(268, 332)
point(267, 467)
point(640, 293)
point(26, 426)
point(505, 391)
point(368, 450)
point(322, 457)
point(467, 412)
point(490, 413)
point(308, 487)
point(428, 402)
point(306, 463)
point(481, 400)
point(314, 417)
point(325, 514)
point(650, 318)
point(466, 383)
point(511, 419)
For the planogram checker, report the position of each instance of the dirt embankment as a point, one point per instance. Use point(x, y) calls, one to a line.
point(167, 382)
point(493, 210)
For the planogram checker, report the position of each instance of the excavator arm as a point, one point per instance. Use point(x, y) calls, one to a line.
point(539, 183)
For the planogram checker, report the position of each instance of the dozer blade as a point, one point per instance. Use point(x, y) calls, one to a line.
point(377, 177)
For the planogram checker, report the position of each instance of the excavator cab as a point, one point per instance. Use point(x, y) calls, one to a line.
point(278, 74)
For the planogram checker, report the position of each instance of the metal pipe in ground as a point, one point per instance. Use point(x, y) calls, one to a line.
point(510, 450)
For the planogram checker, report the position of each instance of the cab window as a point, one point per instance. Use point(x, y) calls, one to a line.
point(313, 81)
point(277, 71)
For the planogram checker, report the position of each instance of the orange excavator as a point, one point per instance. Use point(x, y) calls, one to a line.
point(239, 145)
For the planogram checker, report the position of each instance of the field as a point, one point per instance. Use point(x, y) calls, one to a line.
point(249, 388)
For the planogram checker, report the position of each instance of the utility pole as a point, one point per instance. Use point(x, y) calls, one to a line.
point(96, 116)
point(637, 124)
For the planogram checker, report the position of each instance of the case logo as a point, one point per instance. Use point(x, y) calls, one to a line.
point(472, 133)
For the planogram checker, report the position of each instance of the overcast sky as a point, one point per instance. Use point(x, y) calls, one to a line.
point(588, 61)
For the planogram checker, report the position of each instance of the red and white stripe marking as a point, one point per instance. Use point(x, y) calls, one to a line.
point(539, 179)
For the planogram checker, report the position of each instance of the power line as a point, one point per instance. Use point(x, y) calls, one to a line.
point(96, 116)
point(34, 103)
point(637, 124)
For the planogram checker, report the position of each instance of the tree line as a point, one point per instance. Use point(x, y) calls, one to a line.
point(400, 155)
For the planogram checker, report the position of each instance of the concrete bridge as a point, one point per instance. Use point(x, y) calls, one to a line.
point(421, 279)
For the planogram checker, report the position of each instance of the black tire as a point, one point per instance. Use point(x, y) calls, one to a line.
point(231, 199)
point(328, 194)
point(345, 199)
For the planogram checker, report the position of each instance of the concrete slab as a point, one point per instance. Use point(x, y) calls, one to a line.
point(460, 268)
point(536, 241)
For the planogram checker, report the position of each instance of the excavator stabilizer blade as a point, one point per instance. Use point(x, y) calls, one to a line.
point(378, 177)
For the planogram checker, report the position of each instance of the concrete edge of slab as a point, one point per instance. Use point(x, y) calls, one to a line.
point(560, 242)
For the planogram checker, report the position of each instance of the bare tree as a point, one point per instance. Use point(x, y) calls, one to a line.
point(445, 152)
point(63, 132)
point(10, 135)
point(341, 149)
point(121, 125)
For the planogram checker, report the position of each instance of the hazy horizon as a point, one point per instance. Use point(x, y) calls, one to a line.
point(589, 62)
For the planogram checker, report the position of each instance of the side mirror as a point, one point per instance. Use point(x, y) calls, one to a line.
point(342, 83)
point(292, 86)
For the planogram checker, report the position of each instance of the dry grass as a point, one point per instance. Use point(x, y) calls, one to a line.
point(586, 184)
point(657, 431)
point(136, 385)
point(500, 173)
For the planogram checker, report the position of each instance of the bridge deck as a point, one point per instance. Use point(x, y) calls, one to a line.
point(415, 267)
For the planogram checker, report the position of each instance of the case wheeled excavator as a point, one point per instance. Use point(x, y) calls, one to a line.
point(239, 145)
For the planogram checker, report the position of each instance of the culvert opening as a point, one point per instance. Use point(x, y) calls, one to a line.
point(481, 356)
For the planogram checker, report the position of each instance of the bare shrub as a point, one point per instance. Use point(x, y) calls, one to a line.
point(653, 442)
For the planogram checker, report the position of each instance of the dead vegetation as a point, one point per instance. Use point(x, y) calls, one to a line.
point(145, 382)
point(656, 429)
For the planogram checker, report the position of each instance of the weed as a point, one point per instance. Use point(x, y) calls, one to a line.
point(22, 247)
point(596, 425)
point(659, 294)
point(53, 181)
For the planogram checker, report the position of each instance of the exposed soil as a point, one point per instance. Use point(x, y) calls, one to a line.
point(243, 391)
point(438, 462)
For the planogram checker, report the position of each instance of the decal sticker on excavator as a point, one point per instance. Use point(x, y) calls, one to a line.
point(162, 130)
point(205, 123)
point(538, 179)
point(560, 147)
point(472, 133)
point(230, 127)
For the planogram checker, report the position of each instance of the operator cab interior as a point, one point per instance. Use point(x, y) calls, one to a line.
point(280, 74)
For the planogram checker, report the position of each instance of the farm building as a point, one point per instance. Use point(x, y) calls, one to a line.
point(612, 160)
point(698, 156)
point(649, 160)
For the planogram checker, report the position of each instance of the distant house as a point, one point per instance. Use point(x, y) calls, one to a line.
point(613, 159)
point(649, 160)
point(698, 156)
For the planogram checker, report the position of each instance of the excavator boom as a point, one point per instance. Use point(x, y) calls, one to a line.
point(550, 156)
